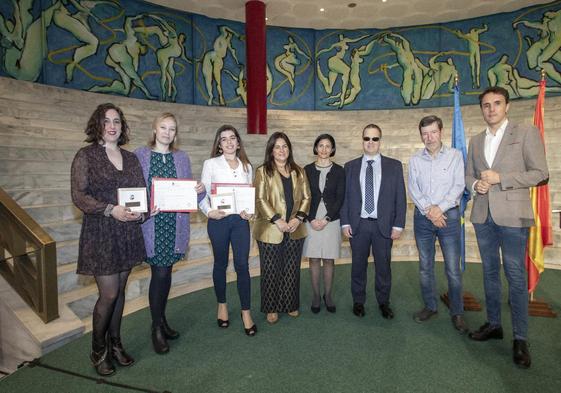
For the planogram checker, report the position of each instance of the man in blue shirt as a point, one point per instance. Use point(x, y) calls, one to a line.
point(436, 184)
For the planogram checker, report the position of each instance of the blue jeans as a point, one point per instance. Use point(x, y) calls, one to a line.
point(512, 243)
point(232, 230)
point(449, 238)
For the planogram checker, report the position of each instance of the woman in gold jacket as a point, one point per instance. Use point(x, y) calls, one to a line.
point(282, 202)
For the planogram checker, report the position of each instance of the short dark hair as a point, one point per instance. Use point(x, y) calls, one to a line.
point(428, 120)
point(495, 90)
point(372, 125)
point(330, 139)
point(95, 127)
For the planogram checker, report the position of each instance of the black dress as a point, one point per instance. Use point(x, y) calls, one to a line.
point(107, 246)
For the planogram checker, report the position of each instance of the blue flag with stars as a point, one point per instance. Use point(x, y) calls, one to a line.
point(459, 142)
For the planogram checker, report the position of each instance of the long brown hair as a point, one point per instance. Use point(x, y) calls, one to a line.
point(95, 127)
point(269, 161)
point(157, 120)
point(240, 153)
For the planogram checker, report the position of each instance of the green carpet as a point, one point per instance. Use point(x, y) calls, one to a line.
point(318, 353)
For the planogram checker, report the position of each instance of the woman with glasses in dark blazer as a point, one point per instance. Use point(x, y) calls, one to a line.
point(327, 186)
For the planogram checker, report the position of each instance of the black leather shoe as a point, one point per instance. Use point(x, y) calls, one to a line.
point(329, 308)
point(101, 361)
point(358, 309)
point(459, 324)
point(159, 340)
point(521, 354)
point(487, 332)
point(386, 311)
point(119, 353)
point(169, 332)
point(315, 309)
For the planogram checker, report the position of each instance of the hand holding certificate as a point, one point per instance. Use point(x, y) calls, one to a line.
point(174, 195)
point(242, 195)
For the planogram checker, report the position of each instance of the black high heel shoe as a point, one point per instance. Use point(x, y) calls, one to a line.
point(252, 331)
point(315, 309)
point(223, 323)
point(329, 308)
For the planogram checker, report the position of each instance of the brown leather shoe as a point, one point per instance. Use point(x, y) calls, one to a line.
point(424, 315)
point(460, 324)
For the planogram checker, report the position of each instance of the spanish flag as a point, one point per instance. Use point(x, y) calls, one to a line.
point(541, 234)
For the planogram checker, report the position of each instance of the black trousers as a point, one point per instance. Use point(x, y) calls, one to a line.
point(369, 237)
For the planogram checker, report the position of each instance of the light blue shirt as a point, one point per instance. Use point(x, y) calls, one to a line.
point(438, 180)
point(377, 177)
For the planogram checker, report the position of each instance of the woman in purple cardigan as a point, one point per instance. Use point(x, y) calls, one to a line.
point(166, 235)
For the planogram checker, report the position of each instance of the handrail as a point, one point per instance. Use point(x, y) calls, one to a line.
point(32, 271)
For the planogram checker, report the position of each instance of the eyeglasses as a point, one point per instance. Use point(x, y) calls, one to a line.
point(373, 139)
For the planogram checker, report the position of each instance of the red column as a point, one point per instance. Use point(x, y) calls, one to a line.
point(256, 65)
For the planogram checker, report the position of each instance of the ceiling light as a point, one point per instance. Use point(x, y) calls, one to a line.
point(321, 9)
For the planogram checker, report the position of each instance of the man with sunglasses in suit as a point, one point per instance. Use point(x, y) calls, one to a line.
point(372, 217)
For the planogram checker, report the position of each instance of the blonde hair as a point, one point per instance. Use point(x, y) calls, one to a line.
point(157, 120)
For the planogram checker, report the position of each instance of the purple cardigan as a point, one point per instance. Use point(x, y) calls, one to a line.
point(183, 168)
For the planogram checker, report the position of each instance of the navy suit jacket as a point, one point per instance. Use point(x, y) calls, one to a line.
point(392, 203)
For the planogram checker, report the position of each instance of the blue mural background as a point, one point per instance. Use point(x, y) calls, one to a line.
point(146, 51)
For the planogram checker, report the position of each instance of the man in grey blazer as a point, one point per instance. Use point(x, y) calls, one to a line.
point(503, 162)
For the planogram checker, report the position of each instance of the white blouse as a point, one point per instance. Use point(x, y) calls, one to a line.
point(217, 170)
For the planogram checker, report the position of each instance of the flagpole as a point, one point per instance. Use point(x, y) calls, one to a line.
point(537, 307)
point(470, 302)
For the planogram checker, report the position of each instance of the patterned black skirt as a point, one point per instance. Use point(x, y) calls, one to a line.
point(280, 275)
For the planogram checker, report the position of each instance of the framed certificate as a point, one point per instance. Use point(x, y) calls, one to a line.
point(244, 195)
point(174, 195)
point(133, 199)
point(224, 202)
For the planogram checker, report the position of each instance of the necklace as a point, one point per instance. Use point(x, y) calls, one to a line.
point(326, 166)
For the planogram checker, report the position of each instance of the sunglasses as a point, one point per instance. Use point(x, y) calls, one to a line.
point(373, 139)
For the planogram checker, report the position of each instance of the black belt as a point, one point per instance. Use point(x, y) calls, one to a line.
point(369, 219)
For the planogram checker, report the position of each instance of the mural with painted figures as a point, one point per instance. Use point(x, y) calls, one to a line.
point(137, 49)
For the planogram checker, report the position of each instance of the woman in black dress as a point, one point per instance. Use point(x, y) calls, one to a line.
point(111, 240)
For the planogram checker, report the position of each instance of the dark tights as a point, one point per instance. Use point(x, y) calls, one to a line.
point(160, 284)
point(315, 273)
point(108, 310)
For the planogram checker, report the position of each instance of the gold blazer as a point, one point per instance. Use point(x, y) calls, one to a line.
point(269, 200)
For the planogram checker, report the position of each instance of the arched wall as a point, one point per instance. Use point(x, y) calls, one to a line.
point(137, 49)
point(41, 128)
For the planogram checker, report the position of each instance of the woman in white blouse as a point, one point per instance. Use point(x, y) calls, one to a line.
point(229, 164)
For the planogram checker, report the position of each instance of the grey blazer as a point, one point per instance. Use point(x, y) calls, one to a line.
point(521, 163)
